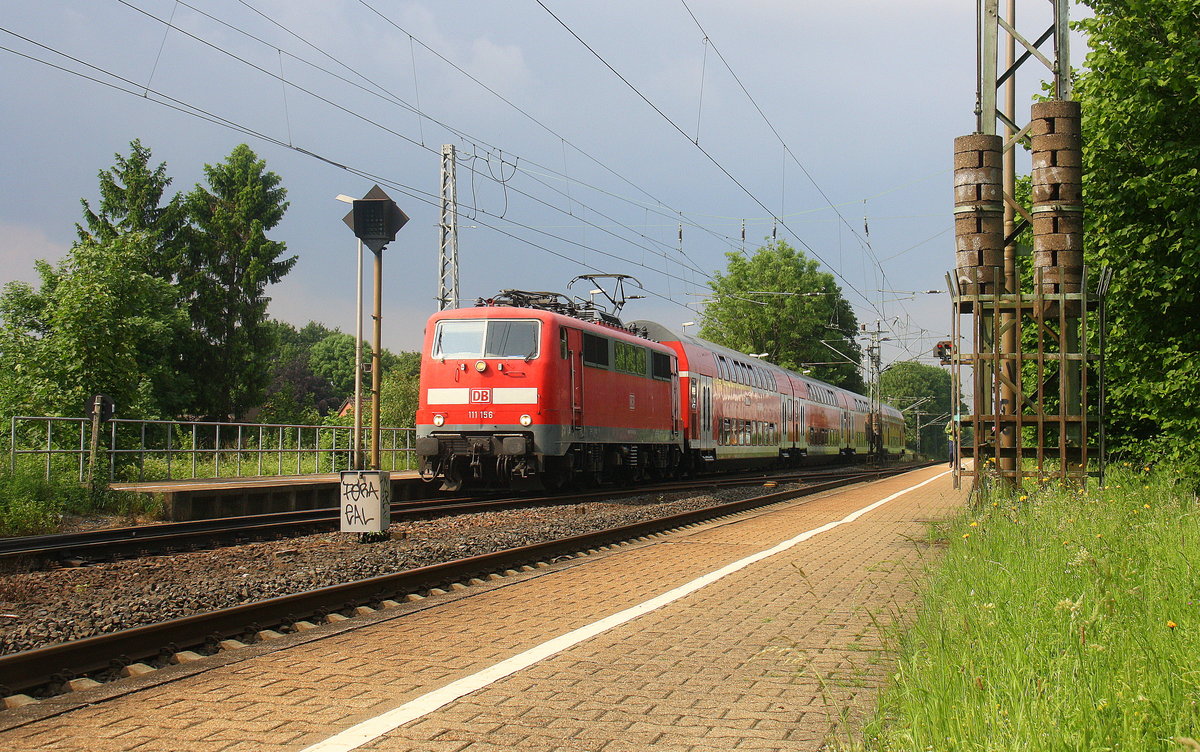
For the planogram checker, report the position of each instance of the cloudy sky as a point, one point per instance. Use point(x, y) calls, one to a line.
point(564, 168)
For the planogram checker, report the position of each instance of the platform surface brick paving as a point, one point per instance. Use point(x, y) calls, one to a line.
point(783, 654)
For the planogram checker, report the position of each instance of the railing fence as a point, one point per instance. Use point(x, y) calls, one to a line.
point(139, 450)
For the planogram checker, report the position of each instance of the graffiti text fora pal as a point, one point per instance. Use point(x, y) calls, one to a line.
point(356, 515)
point(359, 489)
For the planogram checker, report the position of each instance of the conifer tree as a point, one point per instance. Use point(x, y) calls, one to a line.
point(229, 262)
point(131, 200)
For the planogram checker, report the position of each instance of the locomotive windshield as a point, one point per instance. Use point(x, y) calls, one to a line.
point(486, 338)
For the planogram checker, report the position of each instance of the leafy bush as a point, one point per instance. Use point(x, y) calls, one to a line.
point(28, 505)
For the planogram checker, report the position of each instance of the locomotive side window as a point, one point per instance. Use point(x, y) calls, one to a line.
point(595, 350)
point(630, 358)
point(661, 364)
point(563, 349)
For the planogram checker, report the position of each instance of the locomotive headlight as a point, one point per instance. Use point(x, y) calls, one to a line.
point(439, 419)
point(526, 420)
point(481, 365)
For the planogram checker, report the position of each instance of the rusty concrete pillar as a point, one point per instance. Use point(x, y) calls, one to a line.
point(1057, 197)
point(978, 213)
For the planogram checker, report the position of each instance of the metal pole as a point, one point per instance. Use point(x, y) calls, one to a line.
point(358, 343)
point(1005, 371)
point(1062, 49)
point(94, 449)
point(448, 233)
point(376, 369)
point(989, 11)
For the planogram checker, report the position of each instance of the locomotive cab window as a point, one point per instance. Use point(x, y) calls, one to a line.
point(486, 338)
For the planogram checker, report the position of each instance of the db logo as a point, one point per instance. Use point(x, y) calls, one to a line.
point(481, 396)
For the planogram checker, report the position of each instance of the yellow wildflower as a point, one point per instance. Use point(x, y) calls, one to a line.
point(966, 535)
point(974, 524)
point(1171, 624)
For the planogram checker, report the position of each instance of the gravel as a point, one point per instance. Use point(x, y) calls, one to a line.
point(58, 605)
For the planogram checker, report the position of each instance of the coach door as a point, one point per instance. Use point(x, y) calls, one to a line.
point(575, 355)
point(706, 413)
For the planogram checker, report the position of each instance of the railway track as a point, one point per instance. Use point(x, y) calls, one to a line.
point(143, 540)
point(57, 668)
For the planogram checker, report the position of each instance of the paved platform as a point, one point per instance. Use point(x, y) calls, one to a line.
point(751, 632)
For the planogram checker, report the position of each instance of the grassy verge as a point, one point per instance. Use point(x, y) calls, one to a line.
point(1057, 620)
point(32, 505)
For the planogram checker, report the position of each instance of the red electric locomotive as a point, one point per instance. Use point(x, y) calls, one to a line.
point(532, 389)
point(517, 391)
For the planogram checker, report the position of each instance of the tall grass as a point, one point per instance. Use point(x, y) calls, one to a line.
point(1058, 619)
point(31, 505)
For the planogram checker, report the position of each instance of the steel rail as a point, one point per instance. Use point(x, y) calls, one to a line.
point(212, 533)
point(55, 664)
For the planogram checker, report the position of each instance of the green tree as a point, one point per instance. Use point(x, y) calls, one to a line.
point(98, 323)
point(332, 359)
point(926, 390)
point(131, 239)
point(131, 200)
point(398, 399)
point(1141, 122)
point(230, 262)
point(779, 302)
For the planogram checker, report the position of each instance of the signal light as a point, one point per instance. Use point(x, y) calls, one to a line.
point(944, 351)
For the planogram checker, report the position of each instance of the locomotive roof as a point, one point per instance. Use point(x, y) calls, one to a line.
point(503, 311)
